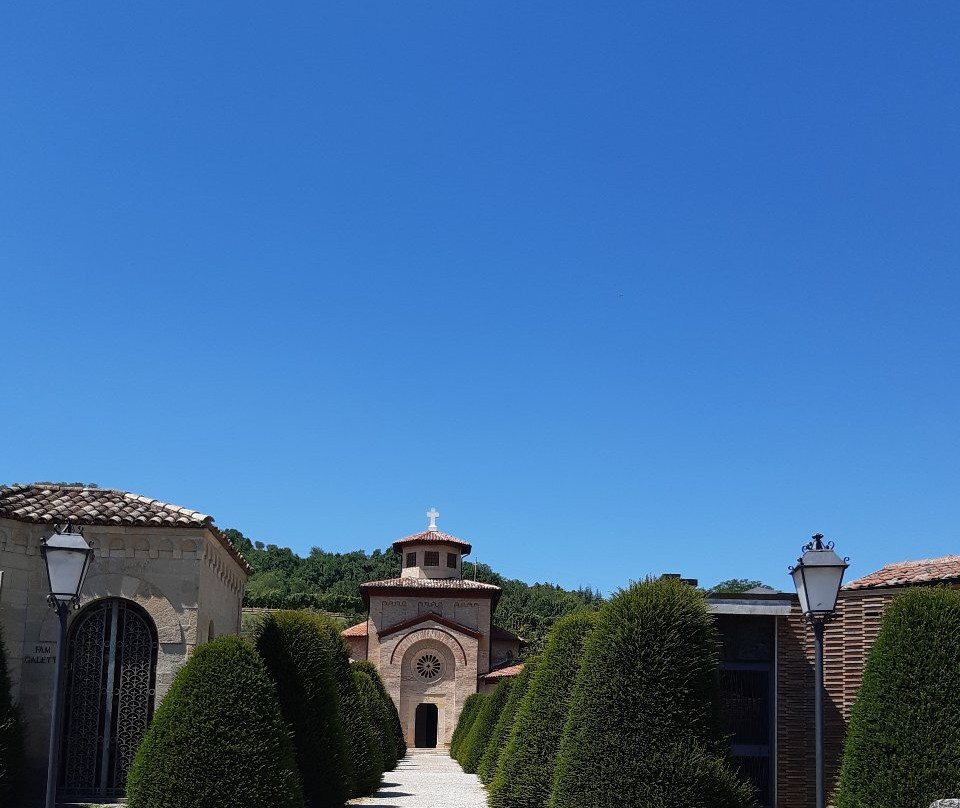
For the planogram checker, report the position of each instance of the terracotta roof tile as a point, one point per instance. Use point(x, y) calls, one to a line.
point(905, 573)
point(429, 583)
point(434, 537)
point(504, 673)
point(359, 630)
point(46, 504)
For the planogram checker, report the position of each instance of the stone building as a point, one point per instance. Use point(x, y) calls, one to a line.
point(430, 634)
point(766, 674)
point(163, 580)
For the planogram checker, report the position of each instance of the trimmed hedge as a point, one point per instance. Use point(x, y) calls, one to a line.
point(643, 725)
point(380, 719)
point(372, 713)
point(218, 738)
point(393, 717)
point(11, 736)
point(490, 762)
point(362, 742)
point(526, 774)
point(903, 742)
point(468, 714)
point(482, 729)
point(292, 647)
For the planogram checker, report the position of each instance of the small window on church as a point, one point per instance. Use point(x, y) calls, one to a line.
point(411, 559)
point(431, 559)
point(452, 560)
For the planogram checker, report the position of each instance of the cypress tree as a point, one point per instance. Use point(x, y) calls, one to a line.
point(218, 738)
point(382, 725)
point(525, 778)
point(490, 762)
point(468, 714)
point(370, 705)
point(11, 736)
point(393, 717)
point(482, 729)
point(362, 742)
point(903, 742)
point(292, 647)
point(643, 724)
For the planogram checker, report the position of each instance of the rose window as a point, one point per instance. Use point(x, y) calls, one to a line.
point(428, 667)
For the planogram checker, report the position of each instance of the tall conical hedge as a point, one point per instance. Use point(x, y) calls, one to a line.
point(372, 713)
point(291, 645)
point(467, 716)
point(11, 736)
point(380, 718)
point(218, 738)
point(482, 729)
point(490, 762)
point(526, 775)
point(903, 741)
point(643, 724)
point(362, 742)
point(393, 717)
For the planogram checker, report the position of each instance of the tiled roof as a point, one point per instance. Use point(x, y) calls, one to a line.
point(905, 573)
point(359, 630)
point(504, 673)
point(47, 504)
point(433, 537)
point(429, 583)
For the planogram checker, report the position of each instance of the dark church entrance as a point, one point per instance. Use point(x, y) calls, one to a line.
point(111, 668)
point(426, 728)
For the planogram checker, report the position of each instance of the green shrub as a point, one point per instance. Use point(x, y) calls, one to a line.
point(482, 729)
point(490, 762)
point(292, 647)
point(903, 742)
point(218, 738)
point(643, 723)
point(525, 778)
point(399, 748)
point(382, 725)
point(362, 742)
point(467, 716)
point(11, 736)
point(371, 707)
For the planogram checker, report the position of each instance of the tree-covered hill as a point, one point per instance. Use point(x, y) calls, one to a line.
point(331, 582)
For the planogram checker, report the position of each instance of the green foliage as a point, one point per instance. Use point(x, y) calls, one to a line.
point(482, 729)
point(903, 742)
point(467, 716)
point(292, 646)
point(11, 736)
point(382, 723)
point(490, 762)
point(372, 714)
point(393, 717)
point(734, 585)
point(643, 723)
point(218, 738)
point(526, 772)
point(330, 582)
point(362, 742)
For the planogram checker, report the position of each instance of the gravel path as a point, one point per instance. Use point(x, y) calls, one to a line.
point(427, 780)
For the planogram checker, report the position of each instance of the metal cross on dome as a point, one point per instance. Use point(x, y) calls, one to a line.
point(432, 514)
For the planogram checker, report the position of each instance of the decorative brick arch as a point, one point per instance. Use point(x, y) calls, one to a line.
point(434, 634)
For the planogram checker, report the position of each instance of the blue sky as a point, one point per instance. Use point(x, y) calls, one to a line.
point(620, 288)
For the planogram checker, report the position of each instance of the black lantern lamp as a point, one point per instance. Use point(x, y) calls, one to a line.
point(67, 556)
point(817, 577)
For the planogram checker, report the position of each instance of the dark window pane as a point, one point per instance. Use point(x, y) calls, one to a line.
point(452, 560)
point(431, 559)
point(746, 706)
point(411, 559)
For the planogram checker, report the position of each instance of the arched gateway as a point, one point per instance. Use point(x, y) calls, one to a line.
point(110, 685)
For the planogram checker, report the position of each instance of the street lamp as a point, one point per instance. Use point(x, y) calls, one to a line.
point(67, 557)
point(817, 577)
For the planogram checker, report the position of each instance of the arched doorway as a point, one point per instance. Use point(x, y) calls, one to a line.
point(109, 684)
point(425, 730)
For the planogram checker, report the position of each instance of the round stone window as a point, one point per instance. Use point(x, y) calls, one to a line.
point(428, 666)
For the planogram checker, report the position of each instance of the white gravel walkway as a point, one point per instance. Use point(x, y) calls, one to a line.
point(427, 780)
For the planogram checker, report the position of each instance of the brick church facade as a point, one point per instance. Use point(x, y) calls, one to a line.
point(430, 633)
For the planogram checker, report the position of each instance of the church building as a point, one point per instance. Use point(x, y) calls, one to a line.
point(163, 580)
point(430, 633)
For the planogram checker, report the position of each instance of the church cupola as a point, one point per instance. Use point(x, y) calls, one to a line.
point(431, 554)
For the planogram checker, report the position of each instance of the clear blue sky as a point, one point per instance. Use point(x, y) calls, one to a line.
point(621, 288)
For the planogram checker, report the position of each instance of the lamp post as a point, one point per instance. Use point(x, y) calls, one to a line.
point(817, 577)
point(66, 555)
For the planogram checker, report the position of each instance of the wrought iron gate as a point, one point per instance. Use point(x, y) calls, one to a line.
point(110, 679)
